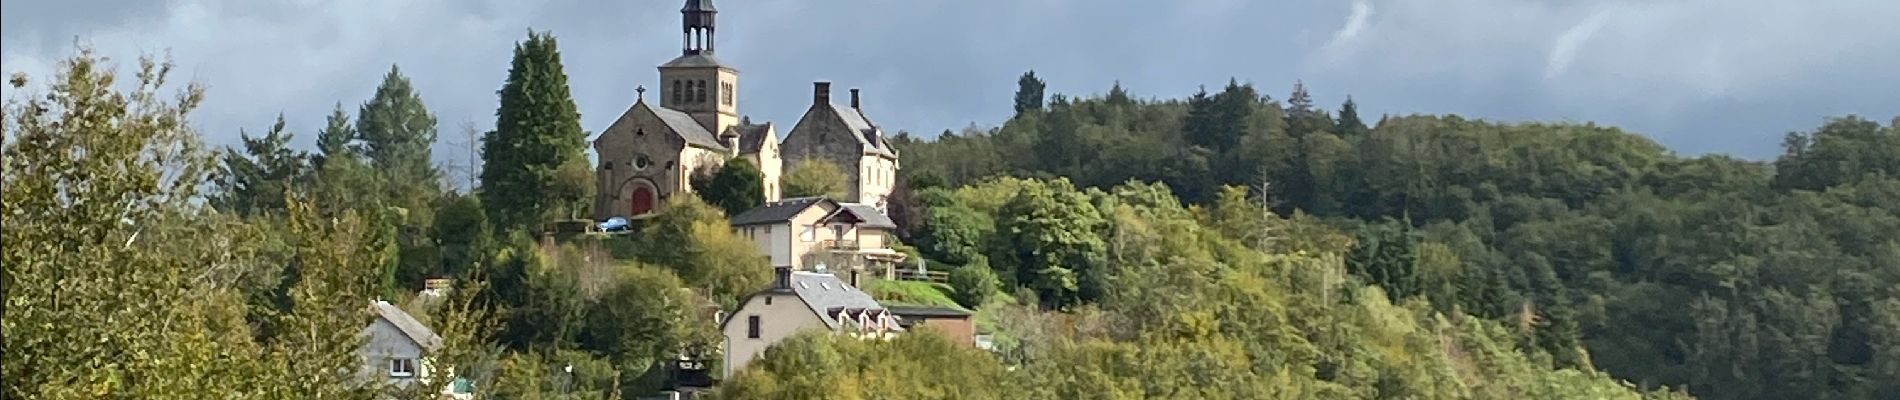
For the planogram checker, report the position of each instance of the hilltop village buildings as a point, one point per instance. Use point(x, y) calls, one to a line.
point(821, 248)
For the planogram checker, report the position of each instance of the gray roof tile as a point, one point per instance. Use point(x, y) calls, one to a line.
point(696, 60)
point(870, 215)
point(824, 291)
point(687, 127)
point(775, 212)
point(408, 324)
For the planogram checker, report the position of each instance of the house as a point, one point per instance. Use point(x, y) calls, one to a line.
point(954, 323)
point(654, 151)
point(397, 347)
point(799, 301)
point(813, 233)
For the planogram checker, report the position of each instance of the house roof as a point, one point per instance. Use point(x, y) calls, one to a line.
point(824, 292)
point(410, 327)
point(775, 212)
point(687, 127)
point(868, 216)
point(696, 61)
point(863, 129)
point(752, 137)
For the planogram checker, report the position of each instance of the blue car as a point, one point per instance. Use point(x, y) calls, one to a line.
point(615, 224)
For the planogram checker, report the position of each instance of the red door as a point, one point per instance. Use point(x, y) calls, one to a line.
point(642, 200)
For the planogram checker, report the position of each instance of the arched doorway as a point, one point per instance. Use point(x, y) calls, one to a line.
point(643, 199)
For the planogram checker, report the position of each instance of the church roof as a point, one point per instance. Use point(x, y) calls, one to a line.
point(696, 60)
point(687, 127)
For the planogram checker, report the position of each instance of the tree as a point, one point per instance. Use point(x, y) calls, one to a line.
point(815, 177)
point(974, 284)
point(337, 137)
point(646, 317)
point(104, 243)
point(737, 186)
point(257, 180)
point(397, 130)
point(1029, 93)
point(694, 241)
point(1349, 125)
point(1048, 235)
point(537, 134)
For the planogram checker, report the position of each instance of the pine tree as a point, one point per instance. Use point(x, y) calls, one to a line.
point(397, 131)
point(1029, 93)
point(537, 132)
point(256, 180)
point(337, 137)
point(1349, 125)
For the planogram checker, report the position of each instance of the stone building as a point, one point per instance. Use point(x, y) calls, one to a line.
point(653, 152)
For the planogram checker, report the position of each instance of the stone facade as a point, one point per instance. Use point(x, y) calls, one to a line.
point(652, 151)
point(845, 136)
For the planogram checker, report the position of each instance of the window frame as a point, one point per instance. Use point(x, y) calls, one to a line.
point(402, 367)
point(754, 328)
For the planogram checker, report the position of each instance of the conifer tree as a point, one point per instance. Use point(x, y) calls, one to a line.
point(537, 132)
point(337, 137)
point(397, 130)
point(1349, 124)
point(1029, 93)
point(255, 180)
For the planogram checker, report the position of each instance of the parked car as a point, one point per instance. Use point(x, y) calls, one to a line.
point(615, 224)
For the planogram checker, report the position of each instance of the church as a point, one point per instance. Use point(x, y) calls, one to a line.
point(653, 152)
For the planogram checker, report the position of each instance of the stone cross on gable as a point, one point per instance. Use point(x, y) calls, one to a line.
point(642, 89)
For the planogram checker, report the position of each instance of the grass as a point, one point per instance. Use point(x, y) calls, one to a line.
point(912, 293)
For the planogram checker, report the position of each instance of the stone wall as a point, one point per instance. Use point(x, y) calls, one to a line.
point(637, 132)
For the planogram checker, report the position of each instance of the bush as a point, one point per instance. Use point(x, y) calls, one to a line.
point(973, 284)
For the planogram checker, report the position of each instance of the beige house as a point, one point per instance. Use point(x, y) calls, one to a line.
point(797, 302)
point(816, 233)
point(652, 152)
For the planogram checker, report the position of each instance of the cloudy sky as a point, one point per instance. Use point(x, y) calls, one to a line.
point(1700, 76)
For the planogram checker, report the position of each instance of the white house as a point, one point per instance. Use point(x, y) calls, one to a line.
point(397, 347)
point(796, 302)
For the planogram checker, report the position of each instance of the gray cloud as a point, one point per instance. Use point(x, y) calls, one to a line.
point(1698, 75)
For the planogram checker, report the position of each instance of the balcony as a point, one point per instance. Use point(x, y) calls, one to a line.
point(833, 244)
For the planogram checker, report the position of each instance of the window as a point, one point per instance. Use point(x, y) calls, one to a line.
point(837, 232)
point(810, 234)
point(402, 367)
point(768, 229)
point(700, 89)
point(752, 327)
point(676, 90)
point(768, 300)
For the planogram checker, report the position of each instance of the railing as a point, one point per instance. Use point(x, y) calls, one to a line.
point(927, 276)
point(835, 244)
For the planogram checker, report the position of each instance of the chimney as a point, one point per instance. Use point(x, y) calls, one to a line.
point(821, 92)
point(854, 98)
point(784, 278)
point(854, 277)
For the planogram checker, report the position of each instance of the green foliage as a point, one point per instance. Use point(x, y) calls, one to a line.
point(973, 284)
point(1029, 93)
point(695, 241)
point(736, 187)
point(396, 131)
point(1048, 236)
point(815, 177)
point(912, 366)
point(1385, 254)
point(526, 177)
point(646, 317)
point(258, 180)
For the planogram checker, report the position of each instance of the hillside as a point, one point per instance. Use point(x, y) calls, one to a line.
point(1732, 278)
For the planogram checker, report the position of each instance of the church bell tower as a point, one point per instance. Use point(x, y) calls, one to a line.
point(697, 83)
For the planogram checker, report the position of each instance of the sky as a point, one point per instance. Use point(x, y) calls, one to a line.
point(1700, 76)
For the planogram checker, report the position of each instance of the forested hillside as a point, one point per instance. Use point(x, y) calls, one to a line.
point(1732, 278)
